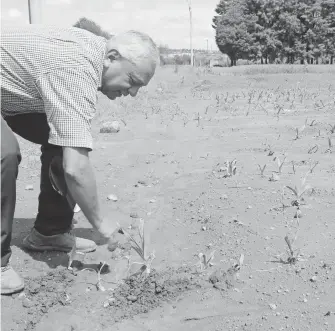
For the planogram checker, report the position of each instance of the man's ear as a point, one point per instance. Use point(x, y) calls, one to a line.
point(113, 54)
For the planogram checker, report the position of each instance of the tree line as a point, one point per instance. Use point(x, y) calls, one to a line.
point(276, 31)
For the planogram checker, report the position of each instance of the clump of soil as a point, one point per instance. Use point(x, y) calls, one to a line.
point(223, 280)
point(45, 292)
point(139, 294)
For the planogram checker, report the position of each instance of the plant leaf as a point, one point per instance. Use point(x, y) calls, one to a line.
point(136, 247)
point(141, 230)
point(293, 190)
point(210, 258)
point(241, 259)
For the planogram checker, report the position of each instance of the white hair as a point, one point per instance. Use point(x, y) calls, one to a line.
point(136, 47)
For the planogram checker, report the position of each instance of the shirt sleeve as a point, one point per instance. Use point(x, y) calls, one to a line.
point(69, 96)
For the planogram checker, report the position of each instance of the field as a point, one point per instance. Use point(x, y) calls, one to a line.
point(167, 166)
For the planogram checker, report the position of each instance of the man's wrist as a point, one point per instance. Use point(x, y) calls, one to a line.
point(105, 229)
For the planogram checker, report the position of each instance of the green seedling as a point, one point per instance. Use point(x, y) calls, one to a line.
point(205, 261)
point(140, 249)
point(332, 128)
point(237, 266)
point(262, 169)
point(230, 168)
point(293, 256)
point(198, 118)
point(330, 146)
point(102, 266)
point(313, 149)
point(293, 167)
point(299, 131)
point(280, 163)
point(98, 284)
point(313, 167)
point(299, 191)
point(313, 122)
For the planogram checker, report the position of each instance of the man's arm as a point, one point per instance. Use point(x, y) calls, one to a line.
point(81, 183)
point(69, 96)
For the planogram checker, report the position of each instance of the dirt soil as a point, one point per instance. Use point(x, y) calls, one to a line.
point(167, 165)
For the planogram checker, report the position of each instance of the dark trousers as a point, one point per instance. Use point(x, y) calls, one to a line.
point(54, 212)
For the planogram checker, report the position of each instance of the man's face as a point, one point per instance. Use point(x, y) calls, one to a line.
point(121, 77)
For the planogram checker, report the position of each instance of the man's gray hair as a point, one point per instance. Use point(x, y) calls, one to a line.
point(136, 47)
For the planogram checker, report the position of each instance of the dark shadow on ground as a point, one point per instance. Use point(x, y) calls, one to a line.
point(21, 229)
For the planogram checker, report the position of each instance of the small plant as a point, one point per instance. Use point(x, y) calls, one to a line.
point(205, 261)
point(140, 249)
point(332, 128)
point(280, 163)
point(313, 167)
point(313, 149)
point(330, 146)
point(262, 169)
point(293, 256)
point(312, 123)
point(299, 191)
point(198, 118)
point(293, 167)
point(102, 266)
point(230, 168)
point(299, 131)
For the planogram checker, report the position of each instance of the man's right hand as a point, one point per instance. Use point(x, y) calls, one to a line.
point(109, 232)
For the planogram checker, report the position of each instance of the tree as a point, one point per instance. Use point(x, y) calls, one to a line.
point(328, 14)
point(221, 9)
point(270, 29)
point(91, 26)
point(267, 44)
point(234, 32)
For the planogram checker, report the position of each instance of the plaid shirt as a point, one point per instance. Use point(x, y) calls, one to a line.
point(53, 71)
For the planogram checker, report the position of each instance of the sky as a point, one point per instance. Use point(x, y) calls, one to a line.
point(167, 22)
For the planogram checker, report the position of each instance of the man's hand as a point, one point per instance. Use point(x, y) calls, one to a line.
point(109, 231)
point(81, 183)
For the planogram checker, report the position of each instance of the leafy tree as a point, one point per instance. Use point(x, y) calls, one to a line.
point(221, 9)
point(91, 26)
point(270, 29)
point(267, 44)
point(328, 14)
point(233, 33)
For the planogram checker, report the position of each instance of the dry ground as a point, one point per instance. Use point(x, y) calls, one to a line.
point(167, 165)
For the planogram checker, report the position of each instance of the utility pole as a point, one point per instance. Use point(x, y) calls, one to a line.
point(35, 11)
point(207, 44)
point(191, 31)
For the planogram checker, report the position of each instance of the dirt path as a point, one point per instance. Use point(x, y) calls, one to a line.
point(167, 166)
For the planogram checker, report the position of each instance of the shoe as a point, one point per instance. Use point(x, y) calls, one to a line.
point(64, 242)
point(11, 282)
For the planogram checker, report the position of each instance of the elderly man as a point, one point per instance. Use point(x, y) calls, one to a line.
point(49, 83)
